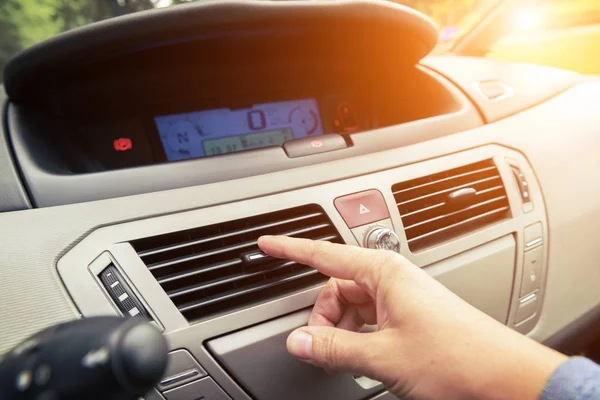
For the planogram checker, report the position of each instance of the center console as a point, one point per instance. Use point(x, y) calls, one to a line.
point(200, 276)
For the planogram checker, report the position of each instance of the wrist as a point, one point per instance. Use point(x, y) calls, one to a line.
point(519, 370)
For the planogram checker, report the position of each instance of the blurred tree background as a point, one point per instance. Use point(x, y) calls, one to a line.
point(26, 22)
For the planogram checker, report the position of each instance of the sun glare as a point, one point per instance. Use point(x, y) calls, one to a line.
point(527, 19)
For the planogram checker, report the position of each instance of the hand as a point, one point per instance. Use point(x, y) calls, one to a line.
point(429, 344)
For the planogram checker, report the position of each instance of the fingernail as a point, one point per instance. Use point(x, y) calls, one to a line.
point(300, 345)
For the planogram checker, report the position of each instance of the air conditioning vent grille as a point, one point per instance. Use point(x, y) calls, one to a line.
point(430, 216)
point(209, 270)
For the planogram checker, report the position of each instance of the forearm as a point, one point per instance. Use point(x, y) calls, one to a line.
point(520, 370)
point(503, 366)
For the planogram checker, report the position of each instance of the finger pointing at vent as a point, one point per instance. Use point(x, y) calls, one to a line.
point(364, 266)
point(430, 344)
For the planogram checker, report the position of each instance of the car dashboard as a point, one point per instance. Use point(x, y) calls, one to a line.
point(141, 161)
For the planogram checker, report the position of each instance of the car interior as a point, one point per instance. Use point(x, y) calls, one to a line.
point(142, 156)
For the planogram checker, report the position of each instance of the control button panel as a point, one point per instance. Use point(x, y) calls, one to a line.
point(182, 368)
point(532, 271)
point(523, 188)
point(205, 389)
point(120, 292)
point(362, 208)
point(527, 308)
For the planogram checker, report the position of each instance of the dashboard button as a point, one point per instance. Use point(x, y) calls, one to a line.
point(205, 389)
point(533, 235)
point(380, 238)
point(314, 145)
point(182, 368)
point(532, 271)
point(527, 308)
point(362, 208)
point(493, 90)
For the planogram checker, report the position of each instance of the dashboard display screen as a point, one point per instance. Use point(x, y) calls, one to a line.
point(220, 131)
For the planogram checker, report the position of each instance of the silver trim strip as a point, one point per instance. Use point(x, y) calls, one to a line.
point(528, 298)
point(179, 377)
point(533, 243)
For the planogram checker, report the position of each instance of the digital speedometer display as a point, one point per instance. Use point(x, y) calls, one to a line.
point(220, 131)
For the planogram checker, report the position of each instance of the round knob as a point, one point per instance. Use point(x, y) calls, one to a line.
point(143, 355)
point(381, 238)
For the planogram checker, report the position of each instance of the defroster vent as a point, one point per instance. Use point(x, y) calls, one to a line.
point(439, 207)
point(218, 268)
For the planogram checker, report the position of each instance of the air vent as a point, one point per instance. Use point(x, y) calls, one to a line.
point(439, 207)
point(218, 268)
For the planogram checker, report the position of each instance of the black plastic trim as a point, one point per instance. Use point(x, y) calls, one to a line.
point(51, 188)
point(13, 195)
point(373, 24)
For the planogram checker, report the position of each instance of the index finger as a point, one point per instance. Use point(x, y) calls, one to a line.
point(364, 266)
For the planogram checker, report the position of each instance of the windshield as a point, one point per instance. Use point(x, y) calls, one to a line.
point(26, 22)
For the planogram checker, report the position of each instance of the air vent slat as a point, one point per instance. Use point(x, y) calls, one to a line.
point(228, 249)
point(432, 197)
point(438, 207)
point(437, 182)
point(437, 217)
point(206, 271)
point(496, 190)
point(457, 225)
point(498, 200)
point(453, 218)
point(227, 235)
point(239, 293)
point(229, 279)
point(213, 267)
point(210, 268)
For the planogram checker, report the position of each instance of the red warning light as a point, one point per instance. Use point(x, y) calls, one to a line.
point(122, 144)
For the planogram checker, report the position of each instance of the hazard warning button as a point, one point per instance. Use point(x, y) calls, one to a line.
point(362, 208)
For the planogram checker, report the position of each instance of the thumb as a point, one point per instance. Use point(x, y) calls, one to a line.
point(332, 348)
